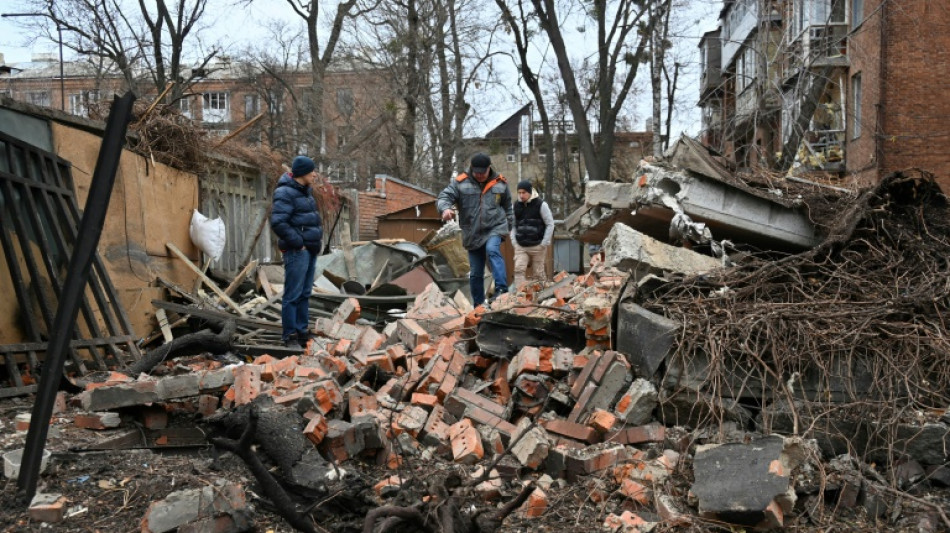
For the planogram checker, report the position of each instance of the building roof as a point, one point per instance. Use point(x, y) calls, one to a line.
point(510, 127)
point(407, 184)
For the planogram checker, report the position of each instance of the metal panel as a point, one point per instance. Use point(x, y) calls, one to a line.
point(568, 256)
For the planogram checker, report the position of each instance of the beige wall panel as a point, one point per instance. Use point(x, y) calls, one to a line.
point(150, 205)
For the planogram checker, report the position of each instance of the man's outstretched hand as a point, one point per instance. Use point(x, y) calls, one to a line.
point(448, 215)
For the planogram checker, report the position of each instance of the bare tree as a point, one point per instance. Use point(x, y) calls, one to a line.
point(522, 26)
point(320, 57)
point(154, 34)
point(623, 30)
point(658, 46)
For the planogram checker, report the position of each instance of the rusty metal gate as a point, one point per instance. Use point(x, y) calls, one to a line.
point(39, 221)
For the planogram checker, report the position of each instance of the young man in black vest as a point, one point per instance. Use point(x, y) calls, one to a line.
point(534, 226)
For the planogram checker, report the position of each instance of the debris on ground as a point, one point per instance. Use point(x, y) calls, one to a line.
point(662, 390)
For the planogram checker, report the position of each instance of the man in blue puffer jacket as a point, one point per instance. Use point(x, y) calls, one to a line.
point(299, 230)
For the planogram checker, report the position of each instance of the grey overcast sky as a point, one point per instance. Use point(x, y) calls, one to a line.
point(237, 28)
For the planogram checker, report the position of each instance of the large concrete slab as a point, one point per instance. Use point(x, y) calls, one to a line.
point(631, 251)
point(731, 212)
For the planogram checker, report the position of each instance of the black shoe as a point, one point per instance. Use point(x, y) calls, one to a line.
point(291, 342)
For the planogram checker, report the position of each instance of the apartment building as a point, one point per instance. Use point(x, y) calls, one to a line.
point(858, 82)
point(357, 109)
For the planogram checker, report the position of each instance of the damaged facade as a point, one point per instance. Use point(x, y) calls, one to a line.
point(842, 86)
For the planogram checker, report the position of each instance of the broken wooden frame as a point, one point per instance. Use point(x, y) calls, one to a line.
point(40, 220)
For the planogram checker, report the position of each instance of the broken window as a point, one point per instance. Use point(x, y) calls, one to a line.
point(856, 105)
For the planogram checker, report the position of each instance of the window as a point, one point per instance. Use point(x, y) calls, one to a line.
point(856, 105)
point(857, 13)
point(542, 157)
point(344, 101)
point(275, 101)
point(215, 107)
point(184, 105)
point(6, 92)
point(79, 103)
point(574, 155)
point(40, 98)
point(745, 68)
point(512, 154)
point(251, 106)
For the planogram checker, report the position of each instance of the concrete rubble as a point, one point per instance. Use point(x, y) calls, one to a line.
point(560, 384)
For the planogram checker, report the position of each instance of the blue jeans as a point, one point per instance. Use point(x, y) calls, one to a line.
point(299, 269)
point(476, 276)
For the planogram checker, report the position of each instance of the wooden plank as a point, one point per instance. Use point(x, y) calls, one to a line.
point(163, 325)
point(240, 277)
point(265, 285)
point(84, 343)
point(215, 314)
point(211, 285)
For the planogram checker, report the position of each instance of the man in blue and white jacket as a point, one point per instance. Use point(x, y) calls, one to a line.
point(299, 230)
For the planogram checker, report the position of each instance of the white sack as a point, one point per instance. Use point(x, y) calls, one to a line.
point(207, 234)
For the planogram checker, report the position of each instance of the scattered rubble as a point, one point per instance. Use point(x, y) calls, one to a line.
point(647, 394)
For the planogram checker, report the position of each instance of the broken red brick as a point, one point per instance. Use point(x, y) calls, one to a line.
point(348, 311)
point(411, 421)
point(382, 360)
point(640, 434)
point(50, 508)
point(328, 395)
point(247, 383)
point(316, 429)
point(397, 352)
point(207, 404)
point(22, 422)
point(635, 491)
point(97, 421)
point(602, 421)
point(341, 347)
point(571, 430)
point(626, 522)
point(528, 359)
point(394, 481)
point(536, 505)
point(424, 400)
point(154, 418)
point(361, 404)
point(410, 333)
point(466, 442)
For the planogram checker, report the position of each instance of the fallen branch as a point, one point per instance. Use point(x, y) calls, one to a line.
point(202, 341)
point(270, 487)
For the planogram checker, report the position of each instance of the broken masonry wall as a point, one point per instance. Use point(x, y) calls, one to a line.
point(152, 204)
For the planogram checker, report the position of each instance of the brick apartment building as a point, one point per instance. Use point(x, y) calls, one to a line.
point(228, 93)
point(882, 108)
